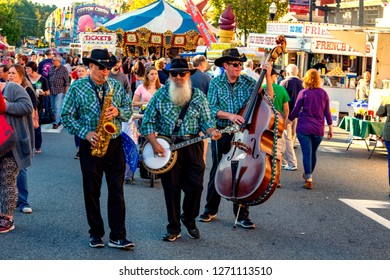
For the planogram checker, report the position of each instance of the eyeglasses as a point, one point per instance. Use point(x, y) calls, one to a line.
point(181, 74)
point(235, 64)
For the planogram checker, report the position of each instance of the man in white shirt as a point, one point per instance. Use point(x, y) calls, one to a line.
point(248, 69)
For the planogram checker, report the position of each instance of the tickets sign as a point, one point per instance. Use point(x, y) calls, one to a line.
point(98, 40)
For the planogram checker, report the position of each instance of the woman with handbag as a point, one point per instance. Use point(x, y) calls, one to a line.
point(41, 86)
point(18, 114)
point(16, 75)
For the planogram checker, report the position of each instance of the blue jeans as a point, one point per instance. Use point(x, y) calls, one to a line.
point(387, 143)
point(56, 103)
point(22, 189)
point(309, 145)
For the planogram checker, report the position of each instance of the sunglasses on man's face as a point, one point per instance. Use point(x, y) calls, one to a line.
point(102, 67)
point(181, 74)
point(235, 64)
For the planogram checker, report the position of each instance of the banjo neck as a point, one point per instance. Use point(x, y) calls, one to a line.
point(189, 142)
point(228, 129)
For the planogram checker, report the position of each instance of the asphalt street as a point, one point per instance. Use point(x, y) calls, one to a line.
point(345, 217)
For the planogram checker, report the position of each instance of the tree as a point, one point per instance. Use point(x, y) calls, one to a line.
point(251, 15)
point(11, 27)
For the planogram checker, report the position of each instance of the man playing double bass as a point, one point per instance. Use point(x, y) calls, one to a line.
point(228, 93)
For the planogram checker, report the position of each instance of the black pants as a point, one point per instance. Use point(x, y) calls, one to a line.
point(213, 199)
point(113, 165)
point(187, 175)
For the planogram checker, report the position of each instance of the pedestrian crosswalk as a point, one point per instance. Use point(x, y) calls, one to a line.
point(48, 128)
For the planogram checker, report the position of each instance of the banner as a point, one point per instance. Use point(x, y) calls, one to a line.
point(97, 40)
point(299, 6)
point(90, 17)
point(200, 22)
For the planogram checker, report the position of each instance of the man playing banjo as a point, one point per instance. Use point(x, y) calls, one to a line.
point(180, 112)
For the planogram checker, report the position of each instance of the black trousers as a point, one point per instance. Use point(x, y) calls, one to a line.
point(187, 176)
point(213, 199)
point(92, 168)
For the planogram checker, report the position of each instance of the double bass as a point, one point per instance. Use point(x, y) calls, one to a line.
point(249, 173)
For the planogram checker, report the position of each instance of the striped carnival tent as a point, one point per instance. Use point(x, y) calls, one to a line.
point(158, 17)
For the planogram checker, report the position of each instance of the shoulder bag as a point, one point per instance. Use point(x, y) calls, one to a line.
point(7, 136)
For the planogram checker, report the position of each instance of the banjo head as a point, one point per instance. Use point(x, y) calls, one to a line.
point(156, 164)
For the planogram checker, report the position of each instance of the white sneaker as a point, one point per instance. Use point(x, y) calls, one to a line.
point(290, 168)
point(27, 210)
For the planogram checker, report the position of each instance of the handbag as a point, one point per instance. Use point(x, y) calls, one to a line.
point(47, 116)
point(7, 136)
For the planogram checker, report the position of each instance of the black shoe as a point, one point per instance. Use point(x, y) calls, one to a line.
point(55, 126)
point(246, 223)
point(170, 237)
point(193, 231)
point(77, 156)
point(96, 242)
point(121, 244)
point(206, 217)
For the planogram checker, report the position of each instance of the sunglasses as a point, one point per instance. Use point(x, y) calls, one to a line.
point(235, 64)
point(102, 67)
point(181, 74)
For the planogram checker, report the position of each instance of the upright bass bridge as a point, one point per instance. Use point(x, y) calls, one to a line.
point(241, 146)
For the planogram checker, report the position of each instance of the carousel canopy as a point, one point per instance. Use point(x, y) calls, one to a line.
point(158, 17)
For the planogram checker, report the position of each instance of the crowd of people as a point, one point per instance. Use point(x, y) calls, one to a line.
point(179, 100)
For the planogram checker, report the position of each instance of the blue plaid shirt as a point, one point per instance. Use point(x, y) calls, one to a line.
point(222, 96)
point(81, 110)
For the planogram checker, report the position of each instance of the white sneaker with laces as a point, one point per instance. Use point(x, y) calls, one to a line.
point(290, 168)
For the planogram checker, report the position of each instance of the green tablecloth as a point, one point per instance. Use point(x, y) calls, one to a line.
point(361, 128)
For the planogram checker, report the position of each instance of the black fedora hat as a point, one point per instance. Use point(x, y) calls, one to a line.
point(230, 55)
point(179, 65)
point(100, 58)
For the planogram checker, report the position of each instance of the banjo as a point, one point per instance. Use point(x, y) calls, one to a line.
point(161, 164)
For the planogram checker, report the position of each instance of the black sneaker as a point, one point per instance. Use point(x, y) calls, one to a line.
point(246, 223)
point(194, 232)
point(77, 156)
point(206, 217)
point(170, 237)
point(96, 242)
point(121, 244)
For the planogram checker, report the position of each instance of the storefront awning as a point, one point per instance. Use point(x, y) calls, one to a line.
point(355, 39)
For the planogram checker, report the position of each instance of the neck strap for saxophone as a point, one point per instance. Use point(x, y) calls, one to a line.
point(100, 91)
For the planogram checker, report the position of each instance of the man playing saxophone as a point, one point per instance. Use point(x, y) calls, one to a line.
point(93, 109)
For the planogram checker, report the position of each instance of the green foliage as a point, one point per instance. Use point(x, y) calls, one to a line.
point(21, 18)
point(251, 15)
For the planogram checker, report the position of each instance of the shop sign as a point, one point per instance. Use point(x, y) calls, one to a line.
point(299, 6)
point(329, 46)
point(286, 29)
point(97, 40)
point(306, 29)
point(262, 40)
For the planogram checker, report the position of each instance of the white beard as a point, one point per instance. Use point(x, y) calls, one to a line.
point(180, 94)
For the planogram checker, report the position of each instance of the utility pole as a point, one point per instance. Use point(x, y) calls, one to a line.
point(361, 12)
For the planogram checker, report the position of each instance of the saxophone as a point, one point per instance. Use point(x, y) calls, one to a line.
point(105, 128)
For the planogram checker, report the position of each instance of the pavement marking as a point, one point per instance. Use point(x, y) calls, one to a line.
point(362, 206)
point(49, 128)
point(330, 150)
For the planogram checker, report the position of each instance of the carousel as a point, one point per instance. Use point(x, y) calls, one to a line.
point(158, 28)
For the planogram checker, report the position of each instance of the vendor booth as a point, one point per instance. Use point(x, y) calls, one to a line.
point(158, 28)
point(308, 43)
